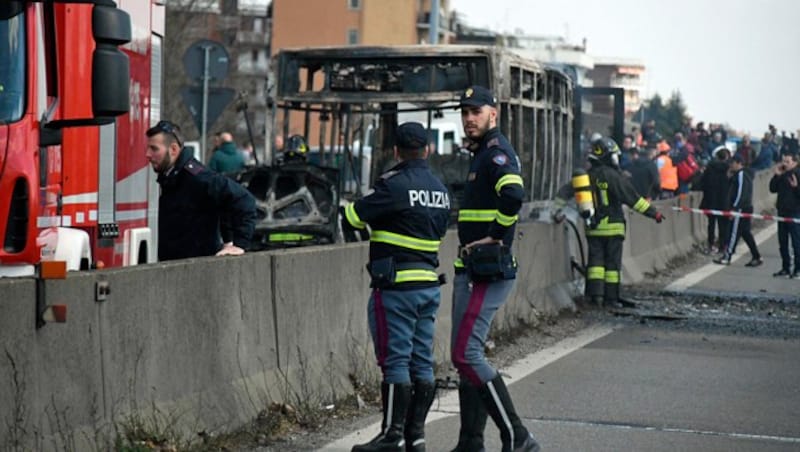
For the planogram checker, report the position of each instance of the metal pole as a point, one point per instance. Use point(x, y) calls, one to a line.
point(204, 118)
point(434, 22)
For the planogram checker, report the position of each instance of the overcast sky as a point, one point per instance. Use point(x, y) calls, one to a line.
point(734, 61)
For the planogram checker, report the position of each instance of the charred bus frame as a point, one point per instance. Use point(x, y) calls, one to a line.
point(353, 87)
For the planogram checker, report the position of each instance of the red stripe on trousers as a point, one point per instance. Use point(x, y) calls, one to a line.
point(381, 331)
point(465, 330)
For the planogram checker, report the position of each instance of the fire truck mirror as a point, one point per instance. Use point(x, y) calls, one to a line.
point(111, 27)
point(49, 137)
point(10, 9)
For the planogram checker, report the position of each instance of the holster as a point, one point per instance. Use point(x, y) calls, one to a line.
point(382, 272)
point(487, 263)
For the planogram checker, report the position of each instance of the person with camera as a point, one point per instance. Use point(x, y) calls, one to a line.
point(786, 183)
point(485, 272)
point(408, 211)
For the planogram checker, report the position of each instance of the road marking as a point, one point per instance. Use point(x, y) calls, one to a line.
point(649, 428)
point(689, 280)
point(447, 404)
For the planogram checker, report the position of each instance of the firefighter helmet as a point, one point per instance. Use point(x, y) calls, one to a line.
point(605, 150)
point(296, 148)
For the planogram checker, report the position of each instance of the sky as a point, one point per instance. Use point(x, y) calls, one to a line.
point(733, 61)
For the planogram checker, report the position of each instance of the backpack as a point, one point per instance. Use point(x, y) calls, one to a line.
point(687, 169)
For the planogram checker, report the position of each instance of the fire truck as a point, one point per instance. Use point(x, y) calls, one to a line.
point(80, 83)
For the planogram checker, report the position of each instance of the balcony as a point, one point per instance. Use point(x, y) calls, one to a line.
point(251, 38)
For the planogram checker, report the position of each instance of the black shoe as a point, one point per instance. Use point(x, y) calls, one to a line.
point(723, 260)
point(513, 434)
point(396, 398)
point(421, 400)
point(795, 275)
point(755, 262)
point(781, 273)
point(473, 419)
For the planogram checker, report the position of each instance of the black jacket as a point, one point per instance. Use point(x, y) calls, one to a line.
point(408, 211)
point(714, 184)
point(493, 193)
point(197, 208)
point(610, 191)
point(740, 191)
point(788, 203)
point(645, 178)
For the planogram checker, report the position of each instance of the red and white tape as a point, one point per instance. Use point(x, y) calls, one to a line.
point(731, 213)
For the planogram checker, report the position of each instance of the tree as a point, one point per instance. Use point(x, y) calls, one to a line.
point(669, 117)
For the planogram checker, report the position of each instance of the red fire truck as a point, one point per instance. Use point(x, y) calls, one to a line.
point(80, 83)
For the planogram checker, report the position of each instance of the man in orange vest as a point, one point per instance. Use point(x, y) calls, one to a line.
point(667, 172)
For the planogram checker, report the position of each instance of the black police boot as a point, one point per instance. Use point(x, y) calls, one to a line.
point(421, 401)
point(395, 398)
point(473, 419)
point(514, 435)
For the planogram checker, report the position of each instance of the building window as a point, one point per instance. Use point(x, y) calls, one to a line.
point(352, 36)
point(354, 4)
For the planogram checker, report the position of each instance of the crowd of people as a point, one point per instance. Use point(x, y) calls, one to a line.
point(707, 160)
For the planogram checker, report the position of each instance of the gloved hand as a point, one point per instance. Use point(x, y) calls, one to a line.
point(559, 216)
point(659, 217)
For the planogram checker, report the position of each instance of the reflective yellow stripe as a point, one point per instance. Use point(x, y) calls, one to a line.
point(508, 179)
point(641, 205)
point(595, 273)
point(458, 263)
point(612, 276)
point(477, 216)
point(288, 237)
point(505, 220)
point(606, 229)
point(352, 216)
point(415, 275)
point(405, 241)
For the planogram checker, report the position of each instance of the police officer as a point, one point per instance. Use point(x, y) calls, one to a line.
point(200, 212)
point(606, 231)
point(485, 273)
point(408, 213)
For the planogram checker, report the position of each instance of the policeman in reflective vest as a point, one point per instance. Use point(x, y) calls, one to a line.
point(606, 229)
point(485, 273)
point(408, 212)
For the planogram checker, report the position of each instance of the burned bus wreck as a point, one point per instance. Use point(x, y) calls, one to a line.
point(347, 102)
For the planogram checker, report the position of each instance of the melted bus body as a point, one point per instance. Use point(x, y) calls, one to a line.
point(349, 100)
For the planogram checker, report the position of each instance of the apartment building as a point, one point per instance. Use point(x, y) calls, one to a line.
point(625, 73)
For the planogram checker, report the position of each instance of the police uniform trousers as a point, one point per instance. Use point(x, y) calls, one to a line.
point(603, 269)
point(401, 323)
point(474, 306)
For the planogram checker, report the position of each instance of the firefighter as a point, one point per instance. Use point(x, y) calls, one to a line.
point(485, 273)
point(296, 150)
point(605, 230)
point(295, 153)
point(408, 212)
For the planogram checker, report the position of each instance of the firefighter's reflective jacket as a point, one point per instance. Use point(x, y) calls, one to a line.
point(408, 212)
point(493, 193)
point(611, 191)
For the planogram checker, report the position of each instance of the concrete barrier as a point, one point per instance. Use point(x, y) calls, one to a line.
point(208, 343)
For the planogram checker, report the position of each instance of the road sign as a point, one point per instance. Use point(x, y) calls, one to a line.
point(218, 99)
point(218, 62)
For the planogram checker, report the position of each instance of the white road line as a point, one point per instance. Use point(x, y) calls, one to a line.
point(447, 404)
point(704, 272)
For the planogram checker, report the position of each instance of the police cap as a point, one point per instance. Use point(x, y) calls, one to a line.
point(411, 135)
point(477, 96)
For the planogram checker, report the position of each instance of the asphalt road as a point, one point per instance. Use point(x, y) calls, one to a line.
point(714, 382)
